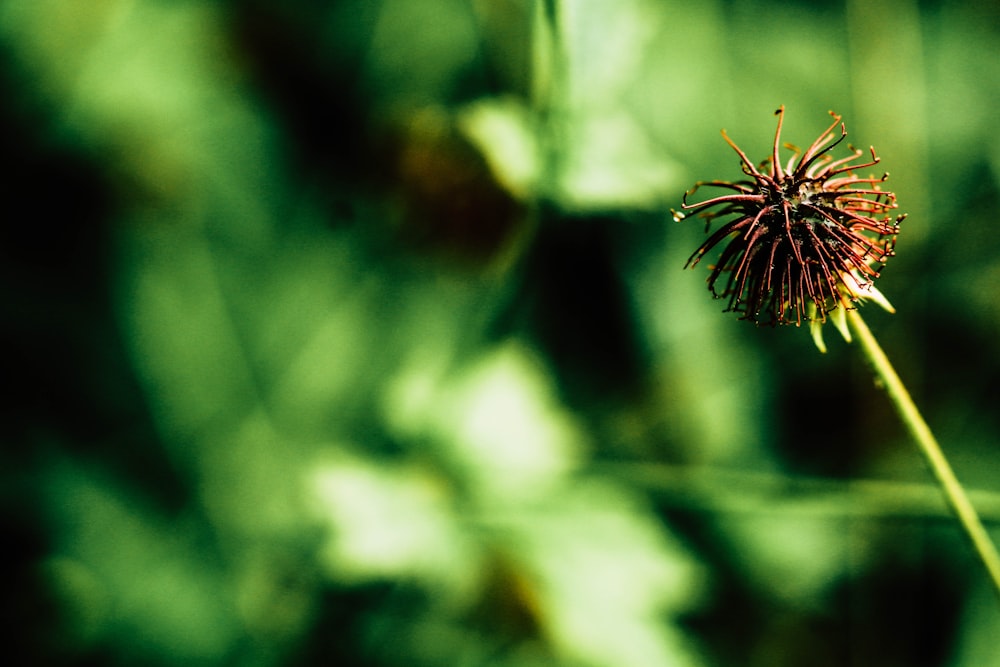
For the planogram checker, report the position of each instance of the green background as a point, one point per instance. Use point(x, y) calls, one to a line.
point(357, 333)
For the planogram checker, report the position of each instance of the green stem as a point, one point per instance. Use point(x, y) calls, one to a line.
point(953, 491)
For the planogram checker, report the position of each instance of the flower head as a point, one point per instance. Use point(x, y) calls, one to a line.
point(803, 238)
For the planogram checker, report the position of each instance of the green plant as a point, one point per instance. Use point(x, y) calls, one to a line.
point(804, 240)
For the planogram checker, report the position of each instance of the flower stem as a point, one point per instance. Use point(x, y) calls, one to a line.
point(953, 491)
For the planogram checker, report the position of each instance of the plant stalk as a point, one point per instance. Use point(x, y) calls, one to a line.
point(953, 491)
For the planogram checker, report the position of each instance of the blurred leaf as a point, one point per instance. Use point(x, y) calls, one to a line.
point(611, 162)
point(393, 524)
point(134, 578)
point(579, 145)
point(615, 618)
point(507, 133)
point(497, 423)
point(796, 560)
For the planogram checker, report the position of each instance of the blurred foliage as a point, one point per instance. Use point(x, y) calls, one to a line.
point(356, 333)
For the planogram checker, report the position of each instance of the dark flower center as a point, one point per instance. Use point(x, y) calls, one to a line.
point(802, 239)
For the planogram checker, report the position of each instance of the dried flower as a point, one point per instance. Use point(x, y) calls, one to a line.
point(806, 237)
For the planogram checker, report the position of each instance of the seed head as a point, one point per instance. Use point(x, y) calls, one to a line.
point(803, 237)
